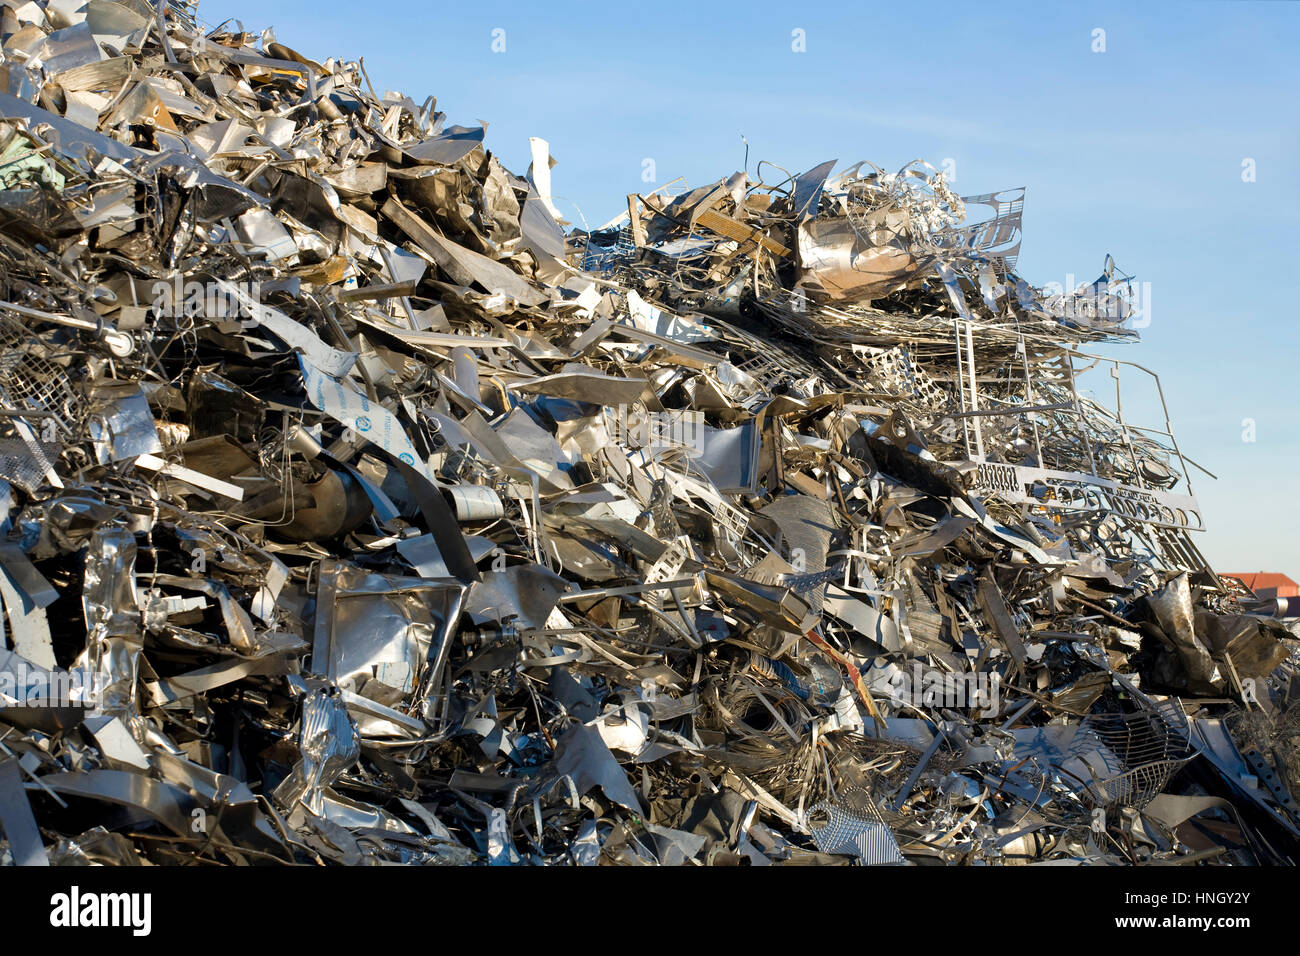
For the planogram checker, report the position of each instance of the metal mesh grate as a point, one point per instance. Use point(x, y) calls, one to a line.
point(29, 381)
point(23, 464)
point(854, 827)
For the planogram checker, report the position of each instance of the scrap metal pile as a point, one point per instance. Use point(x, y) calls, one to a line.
point(357, 512)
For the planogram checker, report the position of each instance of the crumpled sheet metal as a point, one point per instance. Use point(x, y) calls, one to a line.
point(355, 508)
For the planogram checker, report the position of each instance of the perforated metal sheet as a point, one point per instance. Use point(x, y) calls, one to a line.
point(859, 831)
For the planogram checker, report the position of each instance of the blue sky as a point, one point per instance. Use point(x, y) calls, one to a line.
point(1136, 151)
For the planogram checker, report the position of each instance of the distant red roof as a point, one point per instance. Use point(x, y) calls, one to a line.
point(1279, 584)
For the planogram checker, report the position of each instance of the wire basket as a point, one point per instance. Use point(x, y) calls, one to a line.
point(1133, 756)
point(30, 382)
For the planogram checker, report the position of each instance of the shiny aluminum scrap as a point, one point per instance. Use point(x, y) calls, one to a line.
point(358, 509)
